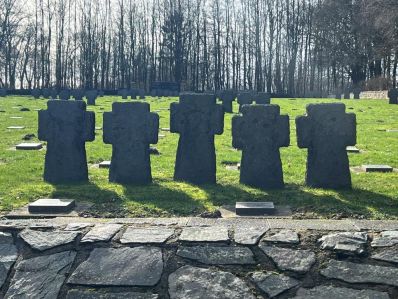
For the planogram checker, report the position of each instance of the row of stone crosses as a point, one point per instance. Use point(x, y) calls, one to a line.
point(259, 131)
point(226, 96)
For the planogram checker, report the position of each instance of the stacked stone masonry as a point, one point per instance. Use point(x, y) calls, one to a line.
point(194, 258)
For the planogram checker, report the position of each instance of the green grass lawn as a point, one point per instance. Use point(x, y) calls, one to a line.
point(374, 196)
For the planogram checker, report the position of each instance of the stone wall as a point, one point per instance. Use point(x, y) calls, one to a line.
point(380, 94)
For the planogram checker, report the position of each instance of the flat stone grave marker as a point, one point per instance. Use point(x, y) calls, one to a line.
point(16, 117)
point(352, 149)
point(161, 135)
point(24, 213)
point(51, 205)
point(104, 164)
point(98, 128)
point(29, 146)
point(254, 208)
point(393, 131)
point(37, 109)
point(165, 129)
point(229, 211)
point(377, 168)
point(15, 128)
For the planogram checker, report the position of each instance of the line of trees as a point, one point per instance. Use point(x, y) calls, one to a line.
point(295, 47)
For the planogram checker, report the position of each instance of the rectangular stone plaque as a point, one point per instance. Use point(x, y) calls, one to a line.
point(105, 164)
point(377, 168)
point(254, 208)
point(16, 117)
point(29, 146)
point(51, 205)
point(392, 131)
point(352, 149)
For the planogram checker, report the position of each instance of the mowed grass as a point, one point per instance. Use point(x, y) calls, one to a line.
point(374, 195)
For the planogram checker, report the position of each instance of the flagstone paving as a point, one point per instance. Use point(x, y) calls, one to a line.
point(84, 258)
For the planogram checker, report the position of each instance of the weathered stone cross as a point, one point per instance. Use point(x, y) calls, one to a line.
point(326, 131)
point(130, 128)
point(393, 96)
point(197, 118)
point(259, 133)
point(66, 126)
point(245, 98)
point(227, 97)
point(91, 96)
point(263, 98)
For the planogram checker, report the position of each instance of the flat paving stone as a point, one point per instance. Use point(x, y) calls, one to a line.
point(284, 236)
point(325, 292)
point(43, 240)
point(101, 233)
point(249, 235)
point(314, 224)
point(353, 242)
point(361, 273)
point(218, 255)
point(273, 284)
point(387, 255)
point(197, 283)
point(8, 255)
point(295, 260)
point(29, 146)
point(125, 266)
point(78, 226)
point(146, 235)
point(41, 277)
point(204, 234)
point(94, 294)
point(386, 239)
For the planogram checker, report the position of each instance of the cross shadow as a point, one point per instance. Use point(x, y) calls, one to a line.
point(182, 199)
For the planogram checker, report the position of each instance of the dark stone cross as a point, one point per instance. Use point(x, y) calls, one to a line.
point(46, 93)
point(134, 93)
point(78, 94)
point(245, 98)
point(36, 93)
point(197, 118)
point(141, 93)
point(66, 126)
point(393, 96)
point(124, 93)
point(64, 94)
point(326, 131)
point(259, 132)
point(263, 98)
point(357, 92)
point(227, 97)
point(91, 96)
point(130, 128)
point(347, 94)
point(53, 93)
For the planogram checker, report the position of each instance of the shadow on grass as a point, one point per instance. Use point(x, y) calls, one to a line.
point(168, 198)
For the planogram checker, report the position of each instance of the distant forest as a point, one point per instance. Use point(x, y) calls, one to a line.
point(291, 47)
